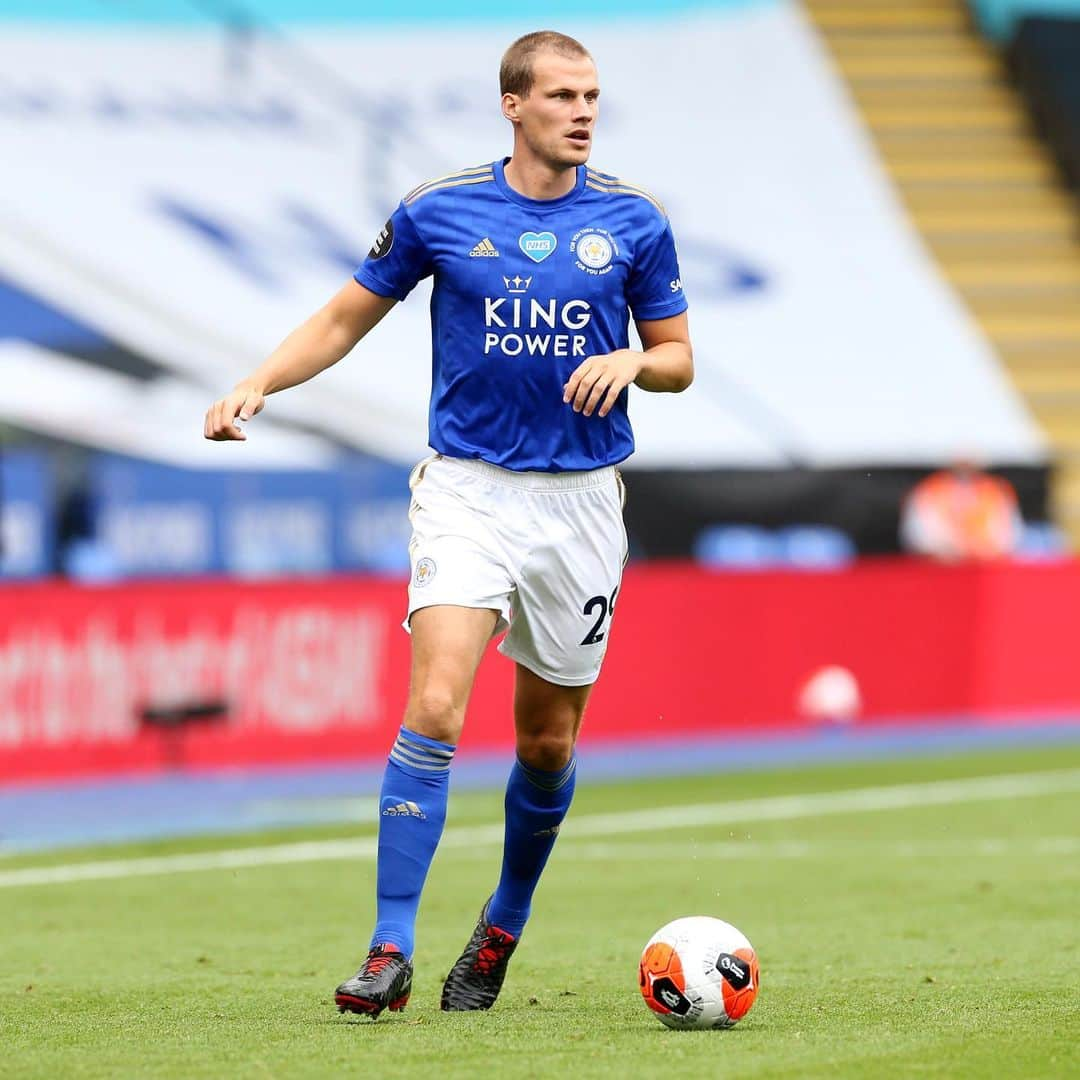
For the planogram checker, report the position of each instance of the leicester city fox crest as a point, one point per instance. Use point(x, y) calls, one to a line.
point(595, 250)
point(424, 572)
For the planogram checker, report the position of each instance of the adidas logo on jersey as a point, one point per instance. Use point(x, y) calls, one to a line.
point(404, 809)
point(484, 250)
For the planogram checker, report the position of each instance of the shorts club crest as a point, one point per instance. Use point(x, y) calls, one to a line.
point(424, 572)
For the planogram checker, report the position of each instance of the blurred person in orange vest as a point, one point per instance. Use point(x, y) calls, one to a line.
point(961, 513)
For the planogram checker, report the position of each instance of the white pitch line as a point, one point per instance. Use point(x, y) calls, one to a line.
point(740, 811)
point(818, 804)
point(589, 851)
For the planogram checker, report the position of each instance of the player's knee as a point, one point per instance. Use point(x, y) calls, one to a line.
point(548, 751)
point(435, 714)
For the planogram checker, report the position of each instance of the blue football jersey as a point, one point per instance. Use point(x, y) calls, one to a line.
point(524, 291)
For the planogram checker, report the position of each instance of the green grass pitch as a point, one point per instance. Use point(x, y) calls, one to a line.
point(926, 940)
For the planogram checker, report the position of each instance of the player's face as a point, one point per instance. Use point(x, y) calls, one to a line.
point(556, 120)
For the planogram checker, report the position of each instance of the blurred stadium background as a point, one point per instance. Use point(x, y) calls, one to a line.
point(877, 211)
point(841, 707)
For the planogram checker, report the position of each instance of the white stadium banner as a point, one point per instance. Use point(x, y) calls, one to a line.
point(194, 196)
point(68, 399)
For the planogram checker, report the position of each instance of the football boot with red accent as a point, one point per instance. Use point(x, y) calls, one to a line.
point(383, 982)
point(475, 980)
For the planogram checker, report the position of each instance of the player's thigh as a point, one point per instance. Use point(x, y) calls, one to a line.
point(567, 595)
point(448, 643)
point(457, 557)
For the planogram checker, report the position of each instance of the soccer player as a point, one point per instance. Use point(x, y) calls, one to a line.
point(538, 262)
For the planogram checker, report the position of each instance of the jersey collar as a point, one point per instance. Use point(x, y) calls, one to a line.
point(538, 204)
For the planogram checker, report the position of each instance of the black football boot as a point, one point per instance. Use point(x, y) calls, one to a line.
point(383, 982)
point(475, 980)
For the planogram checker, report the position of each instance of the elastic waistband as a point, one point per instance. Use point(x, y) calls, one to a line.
point(589, 480)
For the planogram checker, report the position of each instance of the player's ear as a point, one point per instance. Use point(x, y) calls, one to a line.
point(510, 105)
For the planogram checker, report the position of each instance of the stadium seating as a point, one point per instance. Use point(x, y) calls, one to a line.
point(981, 188)
point(998, 18)
point(1044, 55)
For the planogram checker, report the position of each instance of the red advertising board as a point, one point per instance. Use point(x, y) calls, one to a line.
point(310, 670)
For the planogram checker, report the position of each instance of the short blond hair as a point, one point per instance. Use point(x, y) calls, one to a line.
point(516, 69)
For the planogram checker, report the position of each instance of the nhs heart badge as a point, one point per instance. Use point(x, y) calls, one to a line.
point(537, 245)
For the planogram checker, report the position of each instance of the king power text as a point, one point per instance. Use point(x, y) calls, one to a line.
point(505, 315)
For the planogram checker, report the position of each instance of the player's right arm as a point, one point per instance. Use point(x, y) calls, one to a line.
point(398, 259)
point(312, 347)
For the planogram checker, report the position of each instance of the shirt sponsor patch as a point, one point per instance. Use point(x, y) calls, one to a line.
point(538, 246)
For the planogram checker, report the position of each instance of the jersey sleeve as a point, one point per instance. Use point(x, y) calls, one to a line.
point(398, 259)
point(655, 290)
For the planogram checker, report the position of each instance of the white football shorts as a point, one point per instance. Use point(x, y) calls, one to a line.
point(544, 550)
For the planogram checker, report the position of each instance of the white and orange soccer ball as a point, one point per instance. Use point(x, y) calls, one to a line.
point(699, 972)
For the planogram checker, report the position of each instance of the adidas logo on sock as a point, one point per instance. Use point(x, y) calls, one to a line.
point(405, 809)
point(485, 249)
point(553, 831)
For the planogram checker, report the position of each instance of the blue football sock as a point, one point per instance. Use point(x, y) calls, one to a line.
point(412, 812)
point(536, 803)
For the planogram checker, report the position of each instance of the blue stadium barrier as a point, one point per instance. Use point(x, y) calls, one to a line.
point(743, 547)
point(372, 524)
point(750, 547)
point(27, 520)
point(159, 520)
point(816, 547)
point(155, 519)
point(1042, 541)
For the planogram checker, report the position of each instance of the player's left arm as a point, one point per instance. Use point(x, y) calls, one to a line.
point(664, 365)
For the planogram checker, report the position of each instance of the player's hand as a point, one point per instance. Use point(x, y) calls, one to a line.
point(600, 380)
point(221, 418)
